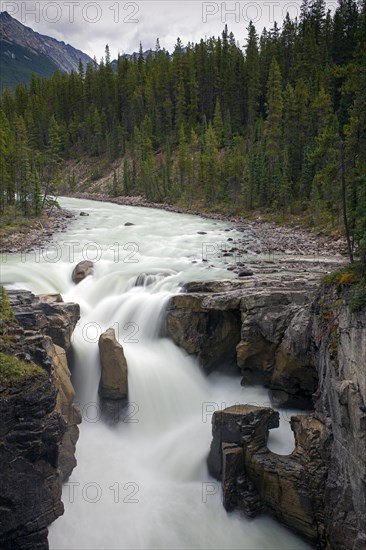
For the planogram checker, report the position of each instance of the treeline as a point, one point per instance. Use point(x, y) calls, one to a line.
point(280, 126)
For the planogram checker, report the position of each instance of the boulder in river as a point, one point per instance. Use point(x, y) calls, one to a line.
point(83, 214)
point(82, 270)
point(246, 273)
point(113, 382)
point(129, 224)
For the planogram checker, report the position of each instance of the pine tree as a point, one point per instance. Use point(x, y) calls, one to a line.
point(273, 129)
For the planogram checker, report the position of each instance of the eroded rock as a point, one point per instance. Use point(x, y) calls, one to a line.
point(340, 338)
point(211, 333)
point(65, 406)
point(113, 382)
point(38, 430)
point(270, 327)
point(255, 479)
point(82, 270)
point(30, 432)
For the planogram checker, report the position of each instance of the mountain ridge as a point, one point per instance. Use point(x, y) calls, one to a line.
point(23, 51)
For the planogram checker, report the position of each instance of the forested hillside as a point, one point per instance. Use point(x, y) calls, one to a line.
point(278, 126)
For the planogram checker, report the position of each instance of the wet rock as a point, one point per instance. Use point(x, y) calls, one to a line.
point(82, 270)
point(65, 406)
point(340, 345)
point(232, 424)
point(61, 320)
point(267, 354)
point(255, 479)
point(31, 430)
point(35, 431)
point(210, 333)
point(51, 298)
point(83, 214)
point(245, 273)
point(129, 224)
point(294, 377)
point(113, 382)
point(211, 316)
point(46, 313)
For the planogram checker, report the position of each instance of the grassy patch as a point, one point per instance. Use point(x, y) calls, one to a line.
point(14, 370)
point(11, 220)
point(7, 320)
point(353, 277)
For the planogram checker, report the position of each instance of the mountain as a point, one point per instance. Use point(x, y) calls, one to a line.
point(24, 51)
point(133, 55)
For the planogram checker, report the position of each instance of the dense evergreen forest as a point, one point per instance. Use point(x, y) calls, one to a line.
point(278, 126)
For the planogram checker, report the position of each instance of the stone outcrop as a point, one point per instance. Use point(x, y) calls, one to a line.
point(61, 318)
point(65, 406)
point(82, 270)
point(208, 329)
point(30, 434)
point(39, 429)
point(340, 338)
point(254, 479)
point(113, 381)
point(262, 328)
point(297, 343)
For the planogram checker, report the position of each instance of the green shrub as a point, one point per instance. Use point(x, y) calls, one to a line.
point(353, 277)
point(358, 300)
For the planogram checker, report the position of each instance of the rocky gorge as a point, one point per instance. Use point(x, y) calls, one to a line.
point(305, 345)
point(277, 326)
point(309, 348)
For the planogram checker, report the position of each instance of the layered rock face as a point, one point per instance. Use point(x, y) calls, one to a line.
point(39, 424)
point(31, 431)
point(255, 479)
point(309, 349)
point(263, 330)
point(340, 337)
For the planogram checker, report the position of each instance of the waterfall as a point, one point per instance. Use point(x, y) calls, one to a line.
point(143, 484)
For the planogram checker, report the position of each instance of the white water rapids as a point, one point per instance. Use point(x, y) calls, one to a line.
point(143, 484)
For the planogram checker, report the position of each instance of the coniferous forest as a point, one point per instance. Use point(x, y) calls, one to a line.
point(276, 126)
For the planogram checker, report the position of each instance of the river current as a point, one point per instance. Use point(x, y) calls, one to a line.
point(143, 483)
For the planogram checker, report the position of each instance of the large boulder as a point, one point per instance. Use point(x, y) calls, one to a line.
point(82, 270)
point(255, 479)
point(113, 382)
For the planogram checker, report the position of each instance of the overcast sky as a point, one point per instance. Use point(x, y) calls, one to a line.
point(89, 25)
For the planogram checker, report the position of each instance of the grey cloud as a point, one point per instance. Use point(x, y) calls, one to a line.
point(166, 20)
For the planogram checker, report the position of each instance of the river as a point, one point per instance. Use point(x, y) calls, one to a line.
point(143, 483)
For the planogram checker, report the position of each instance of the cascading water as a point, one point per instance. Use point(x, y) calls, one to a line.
point(143, 483)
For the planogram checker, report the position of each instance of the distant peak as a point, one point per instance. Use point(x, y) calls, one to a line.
point(5, 15)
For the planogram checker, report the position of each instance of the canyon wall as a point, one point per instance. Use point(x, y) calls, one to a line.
point(308, 347)
point(39, 421)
